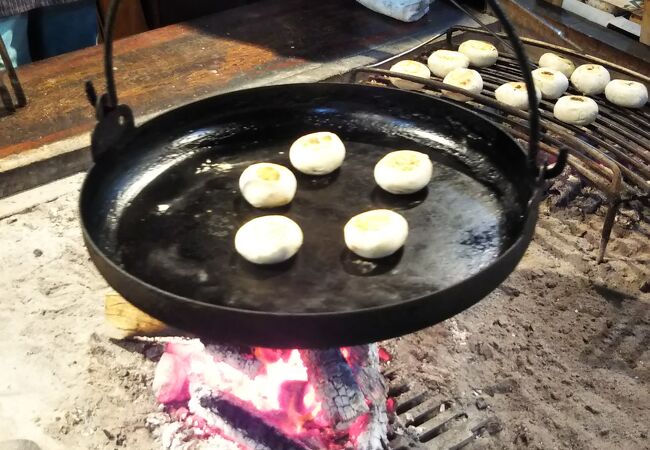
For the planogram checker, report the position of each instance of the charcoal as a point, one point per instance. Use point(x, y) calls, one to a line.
point(244, 361)
point(591, 204)
point(240, 422)
point(364, 362)
point(335, 386)
point(569, 188)
point(374, 435)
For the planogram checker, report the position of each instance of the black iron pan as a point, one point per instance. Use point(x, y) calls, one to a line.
point(161, 206)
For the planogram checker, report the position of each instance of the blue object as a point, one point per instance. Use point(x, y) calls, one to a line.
point(13, 30)
point(54, 30)
point(49, 31)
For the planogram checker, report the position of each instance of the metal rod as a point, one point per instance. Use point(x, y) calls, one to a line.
point(21, 99)
point(528, 79)
point(624, 127)
point(406, 52)
point(598, 168)
point(606, 232)
point(7, 101)
point(578, 162)
point(108, 54)
point(611, 130)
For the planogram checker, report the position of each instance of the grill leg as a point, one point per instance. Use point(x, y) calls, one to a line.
point(607, 229)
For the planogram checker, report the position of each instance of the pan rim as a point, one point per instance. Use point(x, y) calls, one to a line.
point(526, 218)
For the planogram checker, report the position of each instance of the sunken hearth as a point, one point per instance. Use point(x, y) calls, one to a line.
point(220, 397)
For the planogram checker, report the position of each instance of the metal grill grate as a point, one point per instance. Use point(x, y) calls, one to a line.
point(613, 154)
point(423, 422)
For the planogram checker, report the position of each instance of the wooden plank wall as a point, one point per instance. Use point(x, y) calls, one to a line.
point(528, 27)
point(645, 26)
point(645, 22)
point(130, 18)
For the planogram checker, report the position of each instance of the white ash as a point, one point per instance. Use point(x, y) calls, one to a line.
point(364, 361)
point(374, 436)
point(174, 435)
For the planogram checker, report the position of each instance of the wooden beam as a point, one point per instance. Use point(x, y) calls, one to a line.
point(645, 25)
point(125, 320)
point(130, 18)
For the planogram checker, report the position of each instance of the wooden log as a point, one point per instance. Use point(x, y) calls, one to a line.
point(240, 423)
point(374, 435)
point(329, 373)
point(364, 362)
point(125, 321)
point(241, 359)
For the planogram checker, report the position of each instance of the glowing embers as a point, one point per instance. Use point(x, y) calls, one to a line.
point(263, 398)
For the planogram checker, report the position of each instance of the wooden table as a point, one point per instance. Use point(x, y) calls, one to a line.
point(267, 42)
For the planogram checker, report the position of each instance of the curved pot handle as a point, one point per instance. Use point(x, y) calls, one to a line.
point(116, 121)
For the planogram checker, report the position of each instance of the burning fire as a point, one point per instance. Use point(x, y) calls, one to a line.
point(281, 387)
point(193, 381)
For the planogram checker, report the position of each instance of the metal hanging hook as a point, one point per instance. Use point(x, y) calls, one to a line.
point(115, 121)
point(111, 91)
point(524, 64)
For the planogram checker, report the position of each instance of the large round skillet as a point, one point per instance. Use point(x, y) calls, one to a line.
point(161, 206)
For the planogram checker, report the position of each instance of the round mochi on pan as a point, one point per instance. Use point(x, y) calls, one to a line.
point(267, 185)
point(403, 171)
point(552, 83)
point(268, 239)
point(590, 79)
point(317, 153)
point(557, 62)
point(376, 234)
